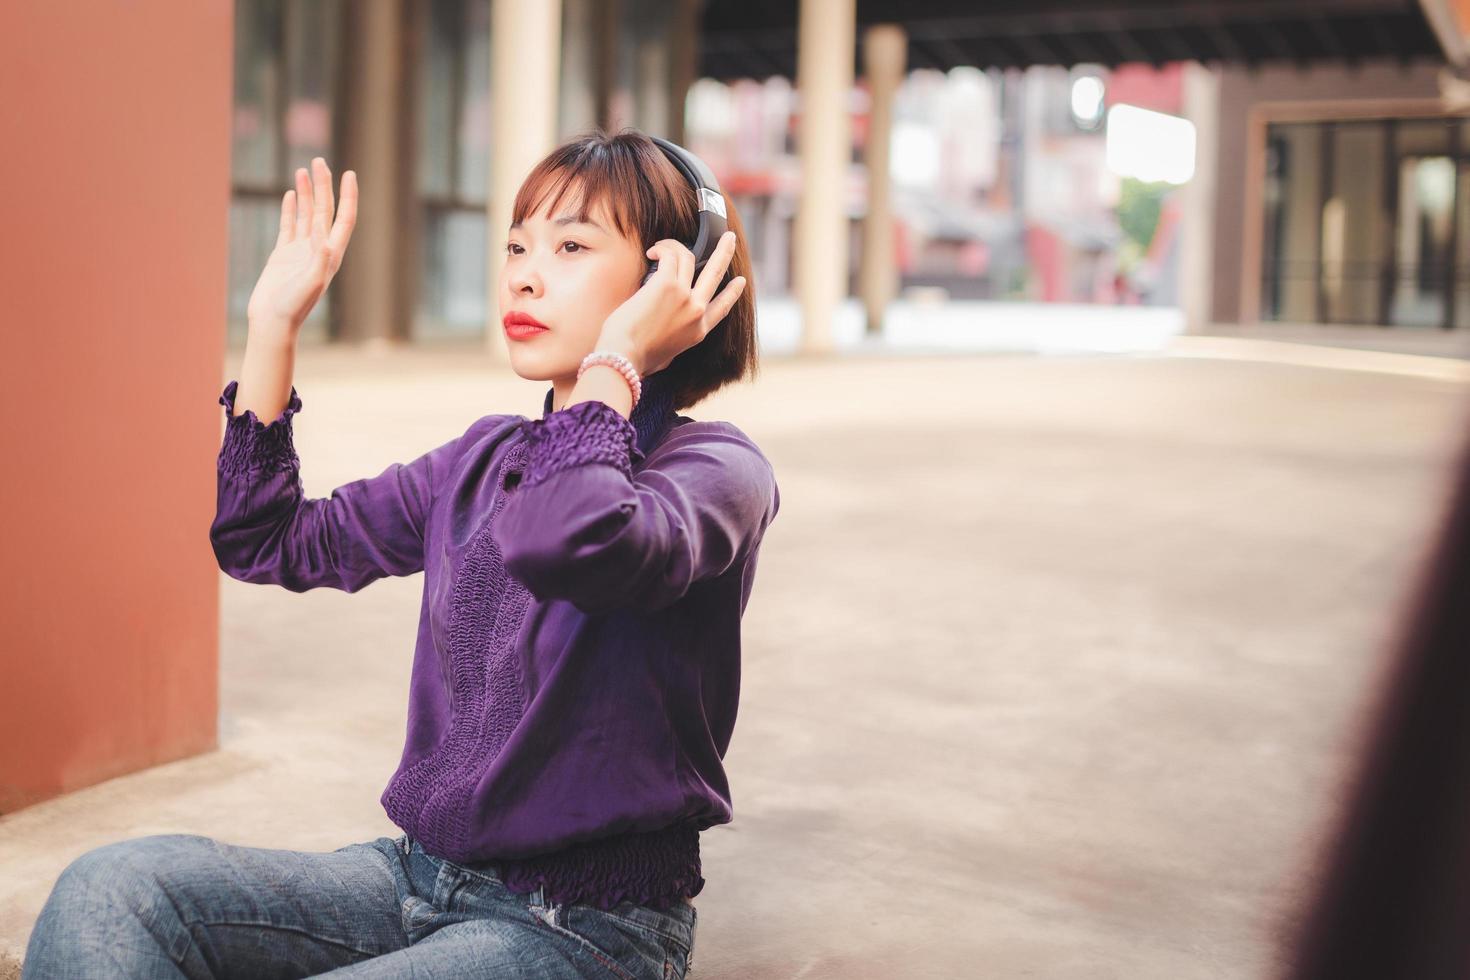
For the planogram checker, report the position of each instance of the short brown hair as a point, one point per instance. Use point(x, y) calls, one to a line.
point(650, 199)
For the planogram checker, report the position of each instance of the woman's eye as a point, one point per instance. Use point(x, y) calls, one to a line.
point(511, 247)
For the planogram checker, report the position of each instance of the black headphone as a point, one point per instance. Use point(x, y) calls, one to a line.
point(712, 220)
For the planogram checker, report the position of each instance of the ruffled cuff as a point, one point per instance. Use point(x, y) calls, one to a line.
point(251, 444)
point(586, 432)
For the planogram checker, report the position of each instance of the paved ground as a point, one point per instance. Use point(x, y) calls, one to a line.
point(1052, 667)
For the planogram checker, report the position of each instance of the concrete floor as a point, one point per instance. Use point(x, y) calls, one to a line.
point(1053, 667)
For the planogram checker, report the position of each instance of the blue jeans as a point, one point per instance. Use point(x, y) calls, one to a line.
point(183, 905)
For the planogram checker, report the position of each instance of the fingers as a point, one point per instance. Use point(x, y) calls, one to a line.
point(714, 269)
point(676, 255)
point(661, 253)
point(721, 304)
point(686, 264)
point(321, 212)
point(303, 203)
point(673, 258)
point(346, 214)
point(288, 217)
point(307, 209)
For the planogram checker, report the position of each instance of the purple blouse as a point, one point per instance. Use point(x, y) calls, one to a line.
point(577, 669)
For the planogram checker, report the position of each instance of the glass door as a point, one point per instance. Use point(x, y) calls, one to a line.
point(1424, 237)
point(1424, 171)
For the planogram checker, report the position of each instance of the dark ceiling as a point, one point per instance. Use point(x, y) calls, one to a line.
point(757, 38)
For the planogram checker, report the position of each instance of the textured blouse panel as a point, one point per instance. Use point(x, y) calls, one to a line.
point(577, 666)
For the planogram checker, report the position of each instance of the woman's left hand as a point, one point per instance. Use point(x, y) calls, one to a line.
point(668, 315)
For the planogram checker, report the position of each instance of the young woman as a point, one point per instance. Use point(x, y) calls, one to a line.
point(576, 676)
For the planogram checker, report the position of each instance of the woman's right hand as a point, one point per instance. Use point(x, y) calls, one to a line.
point(308, 250)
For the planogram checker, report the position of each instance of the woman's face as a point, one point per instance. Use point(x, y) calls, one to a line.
point(570, 277)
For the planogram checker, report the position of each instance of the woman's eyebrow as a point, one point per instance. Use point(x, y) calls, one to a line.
point(567, 219)
point(571, 219)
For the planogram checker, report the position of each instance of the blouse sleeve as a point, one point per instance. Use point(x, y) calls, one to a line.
point(266, 530)
point(582, 526)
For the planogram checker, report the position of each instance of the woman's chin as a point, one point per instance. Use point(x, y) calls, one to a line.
point(531, 368)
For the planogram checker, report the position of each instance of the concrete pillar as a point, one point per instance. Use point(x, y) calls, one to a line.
point(824, 74)
point(1196, 256)
point(651, 66)
point(885, 51)
point(580, 47)
point(525, 61)
point(611, 112)
point(366, 294)
point(683, 62)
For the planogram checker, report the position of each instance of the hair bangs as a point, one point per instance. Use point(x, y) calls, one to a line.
point(632, 181)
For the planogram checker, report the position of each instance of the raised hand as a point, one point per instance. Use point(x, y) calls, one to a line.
point(669, 314)
point(308, 250)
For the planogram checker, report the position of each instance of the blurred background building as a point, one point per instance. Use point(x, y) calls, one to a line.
point(1240, 161)
point(1234, 165)
point(1228, 163)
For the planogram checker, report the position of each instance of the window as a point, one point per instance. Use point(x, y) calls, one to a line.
point(454, 169)
point(1365, 223)
point(286, 55)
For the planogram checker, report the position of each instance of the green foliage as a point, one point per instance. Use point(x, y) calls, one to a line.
point(1139, 204)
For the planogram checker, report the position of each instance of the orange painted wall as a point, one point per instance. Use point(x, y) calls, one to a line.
point(115, 181)
point(1461, 9)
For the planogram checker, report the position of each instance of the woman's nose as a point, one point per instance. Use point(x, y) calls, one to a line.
point(524, 281)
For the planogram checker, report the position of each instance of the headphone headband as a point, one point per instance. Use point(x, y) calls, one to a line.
point(713, 221)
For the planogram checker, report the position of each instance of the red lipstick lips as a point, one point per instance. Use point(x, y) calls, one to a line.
point(519, 326)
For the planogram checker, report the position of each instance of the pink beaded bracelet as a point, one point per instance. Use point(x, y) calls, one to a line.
point(619, 363)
